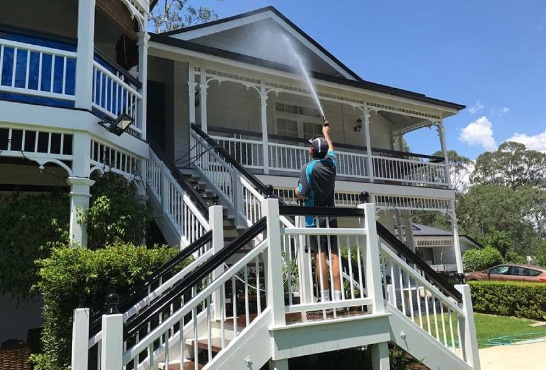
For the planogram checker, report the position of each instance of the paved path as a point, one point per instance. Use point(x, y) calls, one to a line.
point(531, 356)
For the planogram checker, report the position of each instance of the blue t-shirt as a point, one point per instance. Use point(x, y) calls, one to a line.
point(317, 183)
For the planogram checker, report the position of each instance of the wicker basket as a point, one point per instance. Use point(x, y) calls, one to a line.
point(14, 355)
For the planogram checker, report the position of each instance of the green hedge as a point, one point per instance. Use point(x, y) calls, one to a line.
point(526, 300)
point(71, 272)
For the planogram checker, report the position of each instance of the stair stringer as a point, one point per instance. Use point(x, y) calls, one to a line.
point(169, 231)
point(249, 349)
point(417, 342)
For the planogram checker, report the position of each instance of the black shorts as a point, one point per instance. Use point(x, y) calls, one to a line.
point(323, 239)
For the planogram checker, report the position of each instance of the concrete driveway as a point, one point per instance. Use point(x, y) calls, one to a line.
point(528, 356)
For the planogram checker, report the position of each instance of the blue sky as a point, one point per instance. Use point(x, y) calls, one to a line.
point(489, 55)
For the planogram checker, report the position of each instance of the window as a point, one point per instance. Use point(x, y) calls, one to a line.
point(499, 270)
point(534, 272)
point(287, 127)
point(297, 121)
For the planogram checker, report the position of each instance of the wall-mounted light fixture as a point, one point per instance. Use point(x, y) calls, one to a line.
point(119, 125)
point(358, 125)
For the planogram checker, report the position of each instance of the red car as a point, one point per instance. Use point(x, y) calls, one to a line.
point(510, 272)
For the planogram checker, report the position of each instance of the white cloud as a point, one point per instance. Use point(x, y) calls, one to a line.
point(500, 112)
point(475, 108)
point(480, 133)
point(535, 142)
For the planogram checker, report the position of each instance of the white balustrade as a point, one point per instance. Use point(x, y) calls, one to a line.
point(37, 70)
point(409, 292)
point(113, 96)
point(179, 208)
point(249, 153)
point(291, 158)
point(410, 171)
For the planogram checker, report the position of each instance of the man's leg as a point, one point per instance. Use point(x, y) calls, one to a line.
point(321, 269)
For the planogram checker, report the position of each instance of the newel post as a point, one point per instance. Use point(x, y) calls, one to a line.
point(274, 265)
point(112, 335)
point(80, 338)
point(216, 221)
point(467, 329)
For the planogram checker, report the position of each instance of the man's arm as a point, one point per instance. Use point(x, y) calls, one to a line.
point(326, 133)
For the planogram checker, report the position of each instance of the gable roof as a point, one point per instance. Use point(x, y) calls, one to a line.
point(200, 39)
point(250, 28)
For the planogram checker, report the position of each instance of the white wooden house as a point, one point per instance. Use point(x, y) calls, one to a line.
point(70, 71)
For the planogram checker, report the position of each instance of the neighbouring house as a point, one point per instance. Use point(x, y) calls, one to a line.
point(435, 247)
point(210, 114)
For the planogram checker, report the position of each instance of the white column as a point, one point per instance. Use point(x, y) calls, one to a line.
point(265, 139)
point(441, 134)
point(263, 119)
point(203, 95)
point(80, 339)
point(84, 53)
point(455, 231)
point(372, 261)
point(79, 201)
point(143, 38)
point(380, 356)
point(216, 221)
point(368, 143)
point(274, 264)
point(467, 336)
point(191, 102)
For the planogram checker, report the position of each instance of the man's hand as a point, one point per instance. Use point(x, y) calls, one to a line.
point(326, 131)
point(298, 195)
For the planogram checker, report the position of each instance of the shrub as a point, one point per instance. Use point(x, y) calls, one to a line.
point(70, 272)
point(30, 225)
point(480, 259)
point(114, 216)
point(526, 300)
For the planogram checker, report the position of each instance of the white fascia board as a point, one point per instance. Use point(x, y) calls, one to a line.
point(175, 53)
point(225, 26)
point(66, 120)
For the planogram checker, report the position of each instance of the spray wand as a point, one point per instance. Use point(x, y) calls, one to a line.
point(325, 122)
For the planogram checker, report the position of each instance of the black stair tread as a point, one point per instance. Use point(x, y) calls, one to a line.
point(186, 365)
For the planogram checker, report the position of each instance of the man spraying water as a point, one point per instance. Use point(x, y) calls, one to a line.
point(316, 189)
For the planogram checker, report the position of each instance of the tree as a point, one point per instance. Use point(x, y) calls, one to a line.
point(460, 168)
point(488, 209)
point(170, 15)
point(511, 165)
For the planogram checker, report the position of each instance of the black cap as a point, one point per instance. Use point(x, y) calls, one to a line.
point(320, 147)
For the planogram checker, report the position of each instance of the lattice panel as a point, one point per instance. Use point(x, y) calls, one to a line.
point(113, 159)
point(33, 141)
point(401, 110)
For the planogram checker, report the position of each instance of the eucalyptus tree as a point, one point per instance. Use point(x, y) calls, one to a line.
point(168, 15)
point(512, 165)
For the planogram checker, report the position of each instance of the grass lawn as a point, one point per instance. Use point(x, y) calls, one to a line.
point(491, 330)
point(495, 330)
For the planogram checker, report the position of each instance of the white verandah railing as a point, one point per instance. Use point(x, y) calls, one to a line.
point(222, 310)
point(290, 158)
point(43, 71)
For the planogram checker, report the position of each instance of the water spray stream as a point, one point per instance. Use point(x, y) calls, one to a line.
point(305, 74)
